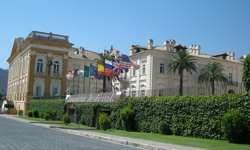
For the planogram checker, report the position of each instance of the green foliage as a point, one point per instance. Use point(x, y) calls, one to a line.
point(104, 121)
point(246, 73)
point(127, 117)
point(30, 113)
point(20, 112)
point(66, 119)
point(182, 61)
point(213, 73)
point(8, 105)
point(35, 113)
point(52, 113)
point(234, 127)
point(43, 105)
point(164, 128)
point(47, 117)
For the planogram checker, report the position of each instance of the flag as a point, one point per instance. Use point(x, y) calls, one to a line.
point(80, 73)
point(134, 65)
point(75, 73)
point(116, 66)
point(92, 71)
point(125, 62)
point(70, 72)
point(100, 76)
point(100, 68)
point(108, 68)
point(86, 71)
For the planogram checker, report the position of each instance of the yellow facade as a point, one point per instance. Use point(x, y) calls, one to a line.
point(29, 75)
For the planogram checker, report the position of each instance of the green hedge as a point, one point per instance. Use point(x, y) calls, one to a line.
point(43, 105)
point(192, 116)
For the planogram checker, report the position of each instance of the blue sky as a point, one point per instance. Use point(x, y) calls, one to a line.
point(216, 25)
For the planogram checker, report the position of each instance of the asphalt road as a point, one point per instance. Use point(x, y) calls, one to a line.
point(16, 135)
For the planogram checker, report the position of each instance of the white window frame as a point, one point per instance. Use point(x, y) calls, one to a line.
point(56, 67)
point(160, 92)
point(143, 92)
point(143, 71)
point(39, 67)
point(230, 77)
point(133, 94)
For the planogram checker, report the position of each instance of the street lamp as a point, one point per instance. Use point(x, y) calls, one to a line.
point(69, 77)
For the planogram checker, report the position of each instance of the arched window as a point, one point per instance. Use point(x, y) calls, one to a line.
point(56, 67)
point(39, 67)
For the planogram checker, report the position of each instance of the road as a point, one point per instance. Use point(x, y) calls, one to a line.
point(15, 135)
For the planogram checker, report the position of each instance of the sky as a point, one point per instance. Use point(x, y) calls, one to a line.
point(216, 25)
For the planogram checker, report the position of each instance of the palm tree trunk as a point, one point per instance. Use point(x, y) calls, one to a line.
point(181, 82)
point(212, 86)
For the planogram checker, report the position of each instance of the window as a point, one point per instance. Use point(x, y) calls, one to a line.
point(161, 68)
point(38, 91)
point(55, 91)
point(134, 72)
point(56, 67)
point(124, 93)
point(142, 92)
point(143, 69)
point(160, 92)
point(230, 77)
point(133, 93)
point(39, 67)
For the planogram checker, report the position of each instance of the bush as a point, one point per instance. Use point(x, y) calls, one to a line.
point(35, 113)
point(20, 112)
point(66, 119)
point(8, 105)
point(164, 128)
point(52, 113)
point(47, 117)
point(104, 121)
point(30, 113)
point(127, 117)
point(234, 127)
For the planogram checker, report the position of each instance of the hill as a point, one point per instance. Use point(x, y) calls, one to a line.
point(3, 81)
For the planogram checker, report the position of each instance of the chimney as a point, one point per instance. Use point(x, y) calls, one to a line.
point(81, 51)
point(172, 44)
point(150, 43)
point(166, 46)
point(198, 49)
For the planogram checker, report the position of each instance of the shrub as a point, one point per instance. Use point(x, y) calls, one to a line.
point(8, 105)
point(246, 73)
point(47, 117)
point(30, 113)
point(52, 113)
point(234, 127)
point(35, 113)
point(127, 117)
point(66, 119)
point(164, 128)
point(104, 121)
point(20, 112)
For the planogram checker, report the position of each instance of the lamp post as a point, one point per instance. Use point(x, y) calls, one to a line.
point(69, 77)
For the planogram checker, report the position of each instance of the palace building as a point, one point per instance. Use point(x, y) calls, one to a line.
point(39, 63)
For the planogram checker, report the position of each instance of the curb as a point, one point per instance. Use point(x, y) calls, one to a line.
point(94, 136)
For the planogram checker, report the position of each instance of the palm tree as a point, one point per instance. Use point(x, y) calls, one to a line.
point(106, 56)
point(49, 63)
point(211, 73)
point(182, 61)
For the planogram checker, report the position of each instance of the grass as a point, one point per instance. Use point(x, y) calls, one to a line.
point(74, 125)
point(179, 140)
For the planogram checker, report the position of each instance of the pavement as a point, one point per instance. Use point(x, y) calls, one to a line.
point(142, 144)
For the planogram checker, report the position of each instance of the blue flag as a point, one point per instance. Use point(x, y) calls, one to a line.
point(93, 71)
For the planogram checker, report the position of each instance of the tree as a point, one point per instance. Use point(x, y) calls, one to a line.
point(182, 61)
point(109, 57)
point(246, 73)
point(49, 63)
point(213, 73)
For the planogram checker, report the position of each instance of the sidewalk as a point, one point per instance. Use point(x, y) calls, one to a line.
point(144, 144)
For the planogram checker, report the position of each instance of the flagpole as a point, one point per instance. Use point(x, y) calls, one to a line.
point(96, 78)
point(78, 81)
point(83, 78)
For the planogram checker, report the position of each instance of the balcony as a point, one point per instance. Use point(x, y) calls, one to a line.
point(232, 83)
point(124, 79)
point(40, 73)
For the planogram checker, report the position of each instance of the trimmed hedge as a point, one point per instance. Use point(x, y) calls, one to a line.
point(43, 105)
point(192, 116)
